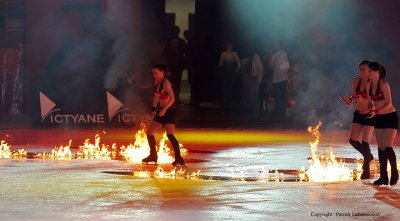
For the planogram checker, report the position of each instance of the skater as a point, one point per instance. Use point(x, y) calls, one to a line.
point(386, 122)
point(361, 124)
point(163, 111)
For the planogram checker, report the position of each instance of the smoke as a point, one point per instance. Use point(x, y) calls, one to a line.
point(326, 40)
point(120, 19)
point(85, 46)
point(67, 50)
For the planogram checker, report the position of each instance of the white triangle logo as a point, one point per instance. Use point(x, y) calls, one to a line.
point(113, 105)
point(46, 105)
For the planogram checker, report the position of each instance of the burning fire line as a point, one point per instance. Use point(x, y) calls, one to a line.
point(58, 153)
point(174, 174)
point(131, 153)
point(140, 149)
point(94, 151)
point(5, 151)
point(324, 169)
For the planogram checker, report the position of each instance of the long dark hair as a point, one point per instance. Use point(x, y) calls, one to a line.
point(364, 62)
point(161, 67)
point(375, 66)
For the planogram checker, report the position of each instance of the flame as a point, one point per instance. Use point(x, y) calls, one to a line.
point(142, 174)
point(302, 174)
point(325, 169)
point(86, 151)
point(58, 153)
point(359, 164)
point(140, 149)
point(94, 151)
point(270, 175)
point(5, 151)
point(62, 153)
point(174, 174)
point(314, 144)
point(21, 153)
point(160, 173)
point(132, 153)
point(164, 153)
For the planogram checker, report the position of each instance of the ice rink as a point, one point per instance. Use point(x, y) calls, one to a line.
point(230, 175)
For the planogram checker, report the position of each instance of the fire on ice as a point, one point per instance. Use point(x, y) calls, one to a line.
point(325, 169)
point(5, 151)
point(132, 153)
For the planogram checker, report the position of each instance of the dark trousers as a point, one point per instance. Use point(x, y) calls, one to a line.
point(227, 82)
point(279, 91)
point(6, 93)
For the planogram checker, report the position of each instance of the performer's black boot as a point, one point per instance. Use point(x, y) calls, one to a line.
point(175, 144)
point(153, 152)
point(368, 157)
point(357, 145)
point(391, 155)
point(178, 161)
point(383, 179)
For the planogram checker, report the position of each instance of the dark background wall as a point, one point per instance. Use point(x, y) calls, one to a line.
point(75, 47)
point(325, 39)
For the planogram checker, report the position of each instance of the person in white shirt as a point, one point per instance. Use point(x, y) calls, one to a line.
point(280, 64)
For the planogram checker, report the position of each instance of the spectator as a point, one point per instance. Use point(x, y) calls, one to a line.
point(280, 65)
point(230, 66)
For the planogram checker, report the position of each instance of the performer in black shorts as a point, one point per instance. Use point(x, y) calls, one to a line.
point(361, 125)
point(164, 114)
point(386, 122)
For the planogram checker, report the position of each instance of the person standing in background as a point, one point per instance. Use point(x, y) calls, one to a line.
point(230, 66)
point(252, 78)
point(280, 69)
point(175, 55)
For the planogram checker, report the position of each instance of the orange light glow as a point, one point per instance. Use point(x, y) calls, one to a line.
point(94, 151)
point(140, 149)
point(5, 151)
point(325, 169)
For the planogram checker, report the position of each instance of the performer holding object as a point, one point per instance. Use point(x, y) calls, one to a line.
point(361, 125)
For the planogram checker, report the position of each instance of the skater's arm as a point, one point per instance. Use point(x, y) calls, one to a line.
point(155, 103)
point(353, 97)
point(168, 89)
point(387, 95)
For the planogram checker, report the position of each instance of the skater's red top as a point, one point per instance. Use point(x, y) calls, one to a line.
point(161, 93)
point(360, 93)
point(379, 93)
